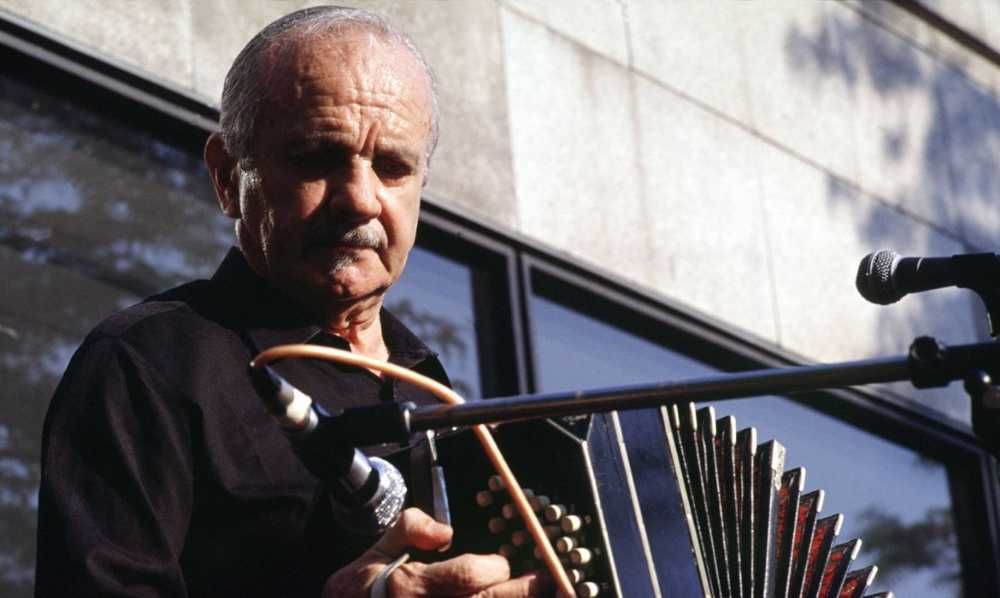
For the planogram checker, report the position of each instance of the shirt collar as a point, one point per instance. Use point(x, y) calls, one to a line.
point(405, 348)
point(270, 318)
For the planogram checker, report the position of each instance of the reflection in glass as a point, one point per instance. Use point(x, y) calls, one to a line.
point(891, 497)
point(434, 299)
point(94, 215)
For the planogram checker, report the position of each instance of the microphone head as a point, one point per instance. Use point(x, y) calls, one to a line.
point(874, 280)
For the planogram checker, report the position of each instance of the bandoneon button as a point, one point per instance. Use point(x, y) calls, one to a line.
point(580, 556)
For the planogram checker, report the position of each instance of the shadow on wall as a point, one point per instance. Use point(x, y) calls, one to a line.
point(959, 149)
point(956, 188)
point(937, 134)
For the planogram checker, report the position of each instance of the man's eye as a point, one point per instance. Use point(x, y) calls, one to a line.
point(391, 168)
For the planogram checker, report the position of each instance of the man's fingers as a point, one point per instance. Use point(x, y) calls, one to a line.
point(461, 576)
point(464, 575)
point(415, 529)
point(527, 586)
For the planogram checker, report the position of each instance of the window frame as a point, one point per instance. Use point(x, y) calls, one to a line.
point(495, 293)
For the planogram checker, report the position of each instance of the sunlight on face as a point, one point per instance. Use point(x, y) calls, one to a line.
point(329, 202)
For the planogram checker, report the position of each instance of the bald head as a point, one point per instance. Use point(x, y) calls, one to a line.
point(257, 73)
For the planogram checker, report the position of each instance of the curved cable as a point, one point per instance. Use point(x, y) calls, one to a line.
point(446, 395)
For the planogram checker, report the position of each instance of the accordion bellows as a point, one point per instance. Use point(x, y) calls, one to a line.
point(662, 503)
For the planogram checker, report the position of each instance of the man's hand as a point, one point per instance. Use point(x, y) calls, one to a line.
point(485, 576)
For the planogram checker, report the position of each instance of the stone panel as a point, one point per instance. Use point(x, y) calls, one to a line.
point(707, 231)
point(471, 169)
point(990, 10)
point(972, 114)
point(151, 37)
point(220, 29)
point(897, 19)
point(800, 86)
point(967, 16)
point(597, 24)
point(902, 139)
point(695, 47)
point(573, 140)
point(819, 229)
point(932, 40)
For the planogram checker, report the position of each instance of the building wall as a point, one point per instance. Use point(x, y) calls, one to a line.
point(739, 157)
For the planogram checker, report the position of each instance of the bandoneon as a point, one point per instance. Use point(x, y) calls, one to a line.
point(672, 503)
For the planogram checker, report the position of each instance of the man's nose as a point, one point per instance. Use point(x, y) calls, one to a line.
point(354, 195)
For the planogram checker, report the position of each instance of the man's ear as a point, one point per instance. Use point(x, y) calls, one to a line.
point(222, 169)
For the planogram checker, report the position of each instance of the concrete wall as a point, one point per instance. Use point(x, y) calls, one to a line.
point(737, 156)
point(977, 17)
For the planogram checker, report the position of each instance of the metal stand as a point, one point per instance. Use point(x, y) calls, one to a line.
point(980, 272)
point(928, 364)
point(985, 398)
point(983, 393)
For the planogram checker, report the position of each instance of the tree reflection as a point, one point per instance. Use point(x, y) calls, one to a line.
point(44, 314)
point(442, 335)
point(94, 215)
point(904, 548)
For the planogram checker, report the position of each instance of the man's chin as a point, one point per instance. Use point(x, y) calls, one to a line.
point(339, 288)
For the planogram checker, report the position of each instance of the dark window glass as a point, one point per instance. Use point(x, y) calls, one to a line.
point(897, 501)
point(94, 215)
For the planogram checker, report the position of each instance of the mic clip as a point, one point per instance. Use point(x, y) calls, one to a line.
point(971, 271)
point(929, 367)
point(985, 396)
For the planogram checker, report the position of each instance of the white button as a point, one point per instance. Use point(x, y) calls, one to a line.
point(565, 544)
point(580, 556)
point(571, 523)
point(554, 513)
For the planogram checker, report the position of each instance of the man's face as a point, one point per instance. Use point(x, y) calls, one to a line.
point(329, 205)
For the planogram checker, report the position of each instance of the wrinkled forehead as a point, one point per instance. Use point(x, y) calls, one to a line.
point(360, 58)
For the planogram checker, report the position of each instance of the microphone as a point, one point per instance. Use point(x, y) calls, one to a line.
point(885, 277)
point(367, 493)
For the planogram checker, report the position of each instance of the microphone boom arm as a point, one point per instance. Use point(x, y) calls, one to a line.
point(928, 364)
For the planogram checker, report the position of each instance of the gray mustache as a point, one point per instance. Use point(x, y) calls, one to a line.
point(361, 236)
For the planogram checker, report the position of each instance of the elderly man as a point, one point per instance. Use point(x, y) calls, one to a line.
point(163, 473)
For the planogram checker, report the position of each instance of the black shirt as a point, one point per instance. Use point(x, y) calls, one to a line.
point(162, 472)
